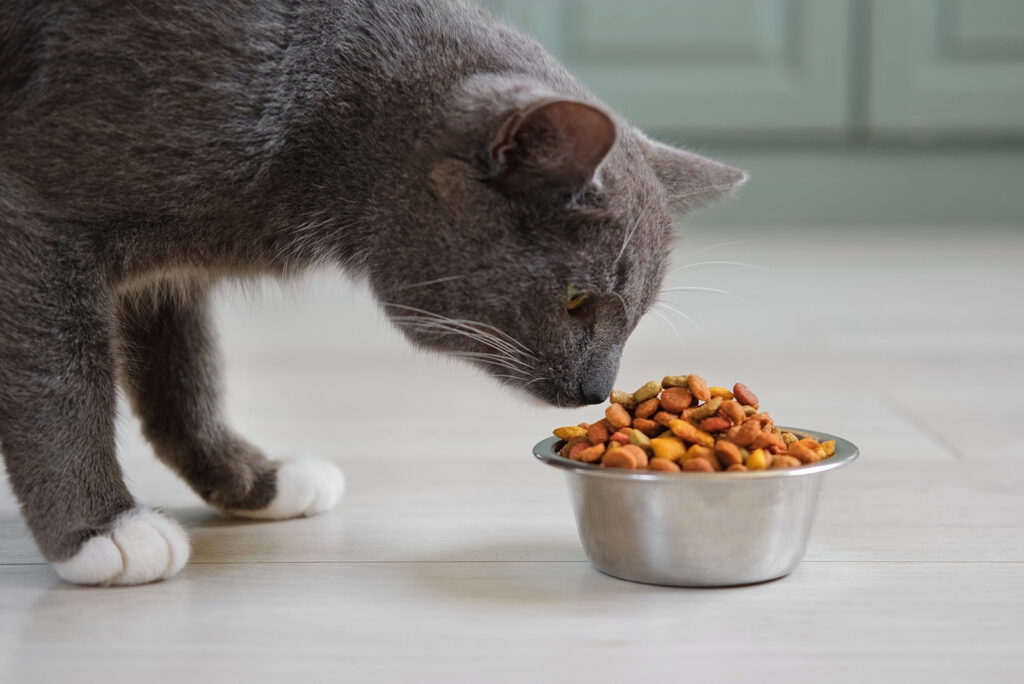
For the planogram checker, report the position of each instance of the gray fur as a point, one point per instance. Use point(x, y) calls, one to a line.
point(149, 149)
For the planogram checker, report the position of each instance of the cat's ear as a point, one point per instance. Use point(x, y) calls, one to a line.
point(552, 143)
point(691, 180)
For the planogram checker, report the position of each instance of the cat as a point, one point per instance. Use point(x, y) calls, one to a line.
point(496, 208)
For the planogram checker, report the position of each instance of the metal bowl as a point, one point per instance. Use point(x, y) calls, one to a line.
point(696, 529)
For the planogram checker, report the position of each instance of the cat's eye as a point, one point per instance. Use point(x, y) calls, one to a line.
point(574, 299)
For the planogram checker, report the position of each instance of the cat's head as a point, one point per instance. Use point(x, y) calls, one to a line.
point(534, 234)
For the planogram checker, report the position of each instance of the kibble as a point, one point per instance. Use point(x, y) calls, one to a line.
point(681, 424)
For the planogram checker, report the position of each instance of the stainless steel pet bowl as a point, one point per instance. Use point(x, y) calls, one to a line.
point(696, 529)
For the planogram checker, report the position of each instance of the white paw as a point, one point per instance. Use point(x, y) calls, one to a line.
point(305, 486)
point(144, 546)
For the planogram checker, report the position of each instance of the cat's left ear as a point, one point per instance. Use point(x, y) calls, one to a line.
point(691, 180)
point(553, 143)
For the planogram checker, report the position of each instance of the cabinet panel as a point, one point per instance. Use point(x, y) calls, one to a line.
point(947, 66)
point(705, 67)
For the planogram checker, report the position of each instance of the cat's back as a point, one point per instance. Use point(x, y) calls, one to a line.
point(102, 102)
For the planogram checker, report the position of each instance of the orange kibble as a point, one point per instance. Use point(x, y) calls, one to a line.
point(638, 454)
point(733, 411)
point(619, 458)
point(664, 465)
point(597, 433)
point(785, 462)
point(618, 416)
point(736, 467)
point(699, 388)
point(664, 417)
point(697, 465)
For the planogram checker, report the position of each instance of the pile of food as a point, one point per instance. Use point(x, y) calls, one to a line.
point(682, 424)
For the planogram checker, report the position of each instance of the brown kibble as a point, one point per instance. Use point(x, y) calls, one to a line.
point(697, 465)
point(648, 427)
point(675, 399)
point(664, 465)
point(646, 392)
point(698, 387)
point(744, 395)
point(728, 453)
point(620, 458)
point(597, 433)
point(736, 467)
point(744, 434)
point(664, 417)
point(618, 416)
point(646, 409)
point(768, 440)
point(733, 411)
point(785, 462)
point(715, 424)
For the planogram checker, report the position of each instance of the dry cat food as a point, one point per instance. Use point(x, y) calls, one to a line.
point(682, 424)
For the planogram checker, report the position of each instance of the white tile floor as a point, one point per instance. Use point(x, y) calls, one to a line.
point(454, 556)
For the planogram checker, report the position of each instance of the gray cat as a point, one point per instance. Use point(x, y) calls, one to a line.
point(496, 208)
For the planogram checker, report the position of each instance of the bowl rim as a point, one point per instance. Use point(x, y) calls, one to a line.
point(846, 452)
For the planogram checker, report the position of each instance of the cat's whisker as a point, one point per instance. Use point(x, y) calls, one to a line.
point(498, 334)
point(426, 283)
point(466, 331)
point(720, 244)
point(743, 264)
point(443, 328)
point(678, 310)
point(709, 290)
point(670, 325)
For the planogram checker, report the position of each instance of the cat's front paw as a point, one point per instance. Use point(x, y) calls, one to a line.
point(305, 486)
point(142, 546)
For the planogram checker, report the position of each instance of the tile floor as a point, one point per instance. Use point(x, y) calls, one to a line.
point(454, 556)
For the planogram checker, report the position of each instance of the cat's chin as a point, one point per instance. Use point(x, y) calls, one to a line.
point(529, 397)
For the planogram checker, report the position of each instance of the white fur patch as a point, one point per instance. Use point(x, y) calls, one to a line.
point(305, 486)
point(144, 546)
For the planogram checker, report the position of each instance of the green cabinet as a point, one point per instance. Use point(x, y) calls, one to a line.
point(714, 67)
point(771, 70)
point(947, 66)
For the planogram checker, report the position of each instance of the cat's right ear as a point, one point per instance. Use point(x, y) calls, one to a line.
point(691, 180)
point(551, 144)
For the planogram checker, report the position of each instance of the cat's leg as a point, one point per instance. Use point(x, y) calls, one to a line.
point(171, 372)
point(57, 406)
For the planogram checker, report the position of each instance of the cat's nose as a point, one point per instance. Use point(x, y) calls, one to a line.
point(593, 395)
point(595, 387)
